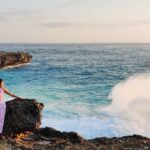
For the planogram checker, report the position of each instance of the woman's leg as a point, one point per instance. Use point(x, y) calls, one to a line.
point(2, 115)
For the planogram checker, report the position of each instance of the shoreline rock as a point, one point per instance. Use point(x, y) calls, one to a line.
point(22, 132)
point(13, 58)
point(22, 115)
point(51, 139)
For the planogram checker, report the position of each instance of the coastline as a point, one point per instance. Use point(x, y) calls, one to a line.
point(14, 59)
point(25, 133)
point(51, 139)
point(15, 66)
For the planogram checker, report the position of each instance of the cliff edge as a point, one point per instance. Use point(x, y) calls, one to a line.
point(13, 58)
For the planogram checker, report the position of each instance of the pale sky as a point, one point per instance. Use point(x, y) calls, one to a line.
point(74, 21)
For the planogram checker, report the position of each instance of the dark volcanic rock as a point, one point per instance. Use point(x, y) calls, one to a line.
point(73, 137)
point(135, 142)
point(22, 115)
point(51, 139)
point(13, 58)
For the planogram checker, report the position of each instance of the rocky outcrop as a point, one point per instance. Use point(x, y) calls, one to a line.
point(134, 142)
point(22, 132)
point(13, 58)
point(22, 115)
point(51, 139)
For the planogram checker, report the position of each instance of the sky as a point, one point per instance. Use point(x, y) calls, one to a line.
point(74, 21)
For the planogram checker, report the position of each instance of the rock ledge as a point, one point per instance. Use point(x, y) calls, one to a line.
point(13, 58)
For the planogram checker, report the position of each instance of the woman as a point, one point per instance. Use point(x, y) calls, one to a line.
point(3, 105)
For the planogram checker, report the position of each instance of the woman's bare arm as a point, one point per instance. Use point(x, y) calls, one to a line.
point(10, 94)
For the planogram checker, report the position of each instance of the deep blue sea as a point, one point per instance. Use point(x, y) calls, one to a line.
point(93, 89)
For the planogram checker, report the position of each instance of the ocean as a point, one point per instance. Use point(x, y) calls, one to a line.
point(94, 89)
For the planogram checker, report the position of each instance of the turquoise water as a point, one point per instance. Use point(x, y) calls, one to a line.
point(74, 82)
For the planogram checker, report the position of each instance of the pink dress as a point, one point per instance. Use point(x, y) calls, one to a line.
point(2, 109)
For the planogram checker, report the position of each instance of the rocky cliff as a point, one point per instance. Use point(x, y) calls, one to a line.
point(13, 58)
point(22, 115)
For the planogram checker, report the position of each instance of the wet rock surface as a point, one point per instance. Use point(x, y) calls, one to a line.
point(13, 58)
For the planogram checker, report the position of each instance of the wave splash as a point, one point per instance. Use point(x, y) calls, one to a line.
point(127, 114)
point(131, 105)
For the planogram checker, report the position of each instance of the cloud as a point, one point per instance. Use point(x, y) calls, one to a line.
point(68, 2)
point(144, 21)
point(116, 24)
point(18, 15)
point(40, 18)
point(63, 24)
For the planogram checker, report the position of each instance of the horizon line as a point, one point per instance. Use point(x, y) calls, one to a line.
point(75, 43)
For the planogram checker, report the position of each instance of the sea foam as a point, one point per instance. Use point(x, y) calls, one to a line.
point(130, 104)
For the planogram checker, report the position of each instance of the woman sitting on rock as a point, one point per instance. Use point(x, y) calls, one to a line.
point(3, 105)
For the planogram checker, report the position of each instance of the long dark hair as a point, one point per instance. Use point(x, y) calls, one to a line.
point(1, 80)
